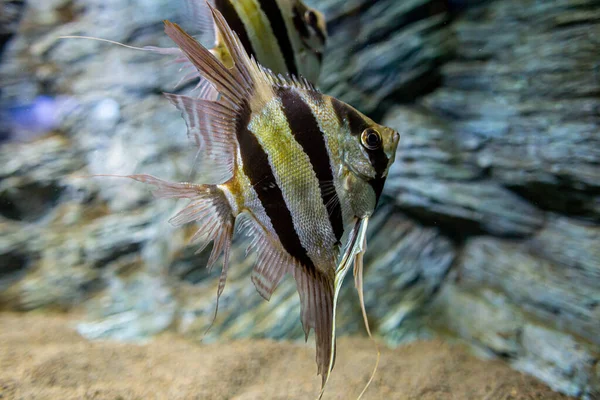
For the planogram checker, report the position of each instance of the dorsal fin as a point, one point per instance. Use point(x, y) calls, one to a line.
point(286, 81)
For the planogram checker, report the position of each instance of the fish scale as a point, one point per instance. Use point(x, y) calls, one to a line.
point(297, 179)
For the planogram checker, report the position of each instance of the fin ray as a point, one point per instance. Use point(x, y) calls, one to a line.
point(223, 245)
point(272, 262)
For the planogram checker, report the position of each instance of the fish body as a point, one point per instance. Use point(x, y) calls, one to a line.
point(285, 36)
point(295, 167)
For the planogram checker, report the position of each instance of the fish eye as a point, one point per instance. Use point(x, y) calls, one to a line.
point(311, 18)
point(371, 139)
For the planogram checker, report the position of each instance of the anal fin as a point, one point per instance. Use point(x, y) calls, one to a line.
point(272, 261)
point(268, 272)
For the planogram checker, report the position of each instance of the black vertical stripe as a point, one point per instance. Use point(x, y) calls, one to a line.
point(379, 161)
point(301, 28)
point(235, 23)
point(308, 134)
point(356, 122)
point(320, 34)
point(273, 13)
point(258, 170)
point(377, 185)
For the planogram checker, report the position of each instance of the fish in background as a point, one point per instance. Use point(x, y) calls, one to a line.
point(300, 171)
point(285, 36)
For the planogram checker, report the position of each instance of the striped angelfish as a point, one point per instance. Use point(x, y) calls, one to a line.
point(300, 167)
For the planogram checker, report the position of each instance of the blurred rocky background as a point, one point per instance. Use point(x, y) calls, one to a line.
point(489, 232)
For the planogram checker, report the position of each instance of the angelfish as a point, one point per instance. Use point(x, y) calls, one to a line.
point(305, 170)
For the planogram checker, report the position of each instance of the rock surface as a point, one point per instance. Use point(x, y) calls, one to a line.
point(490, 227)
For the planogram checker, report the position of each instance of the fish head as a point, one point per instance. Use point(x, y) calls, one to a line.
point(368, 151)
point(311, 26)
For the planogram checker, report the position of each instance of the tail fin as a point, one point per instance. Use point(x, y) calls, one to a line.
point(210, 210)
point(203, 89)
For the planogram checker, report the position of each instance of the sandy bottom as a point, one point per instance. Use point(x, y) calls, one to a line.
point(42, 357)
